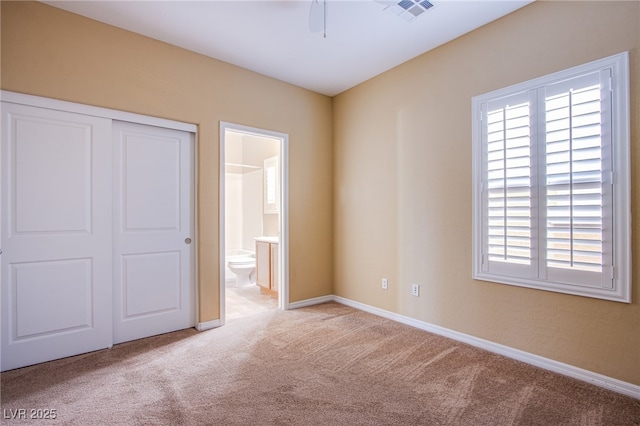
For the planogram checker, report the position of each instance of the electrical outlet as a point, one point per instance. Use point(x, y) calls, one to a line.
point(415, 289)
point(385, 283)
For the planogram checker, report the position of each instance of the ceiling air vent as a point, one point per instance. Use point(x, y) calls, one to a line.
point(407, 9)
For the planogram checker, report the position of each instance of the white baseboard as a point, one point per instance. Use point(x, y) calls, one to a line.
point(597, 379)
point(310, 302)
point(208, 325)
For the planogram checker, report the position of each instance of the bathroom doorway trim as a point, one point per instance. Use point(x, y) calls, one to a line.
point(283, 243)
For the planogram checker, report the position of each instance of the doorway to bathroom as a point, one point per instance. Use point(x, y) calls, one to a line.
point(253, 221)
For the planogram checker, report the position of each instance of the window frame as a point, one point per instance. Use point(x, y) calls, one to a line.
point(620, 290)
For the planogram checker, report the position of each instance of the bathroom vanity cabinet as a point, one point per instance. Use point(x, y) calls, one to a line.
point(267, 264)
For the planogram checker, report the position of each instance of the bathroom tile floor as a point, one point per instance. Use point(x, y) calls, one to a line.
point(248, 300)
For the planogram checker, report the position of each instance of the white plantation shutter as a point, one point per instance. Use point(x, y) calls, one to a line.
point(577, 177)
point(508, 193)
point(551, 179)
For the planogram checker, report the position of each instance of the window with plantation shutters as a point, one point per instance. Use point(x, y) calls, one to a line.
point(551, 182)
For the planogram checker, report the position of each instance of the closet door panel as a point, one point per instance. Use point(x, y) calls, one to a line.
point(56, 234)
point(154, 287)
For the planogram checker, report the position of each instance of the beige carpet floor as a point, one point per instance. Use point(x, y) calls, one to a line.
point(321, 365)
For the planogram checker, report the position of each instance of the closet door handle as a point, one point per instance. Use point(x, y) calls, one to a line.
point(187, 240)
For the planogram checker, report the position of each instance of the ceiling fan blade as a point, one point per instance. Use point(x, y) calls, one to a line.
point(317, 16)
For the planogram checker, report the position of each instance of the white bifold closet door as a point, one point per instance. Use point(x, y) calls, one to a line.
point(97, 217)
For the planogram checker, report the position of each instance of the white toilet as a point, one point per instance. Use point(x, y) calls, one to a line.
point(244, 268)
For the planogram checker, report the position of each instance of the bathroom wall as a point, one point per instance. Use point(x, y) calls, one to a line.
point(251, 208)
point(233, 211)
point(244, 220)
point(271, 225)
point(255, 151)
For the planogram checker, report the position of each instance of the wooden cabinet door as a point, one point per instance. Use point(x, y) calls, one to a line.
point(263, 264)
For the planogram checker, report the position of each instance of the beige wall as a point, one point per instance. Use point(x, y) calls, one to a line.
point(52, 53)
point(402, 209)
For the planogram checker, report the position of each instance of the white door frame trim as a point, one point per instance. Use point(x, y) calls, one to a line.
point(116, 115)
point(283, 246)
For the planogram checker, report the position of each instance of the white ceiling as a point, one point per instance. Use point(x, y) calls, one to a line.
point(274, 38)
